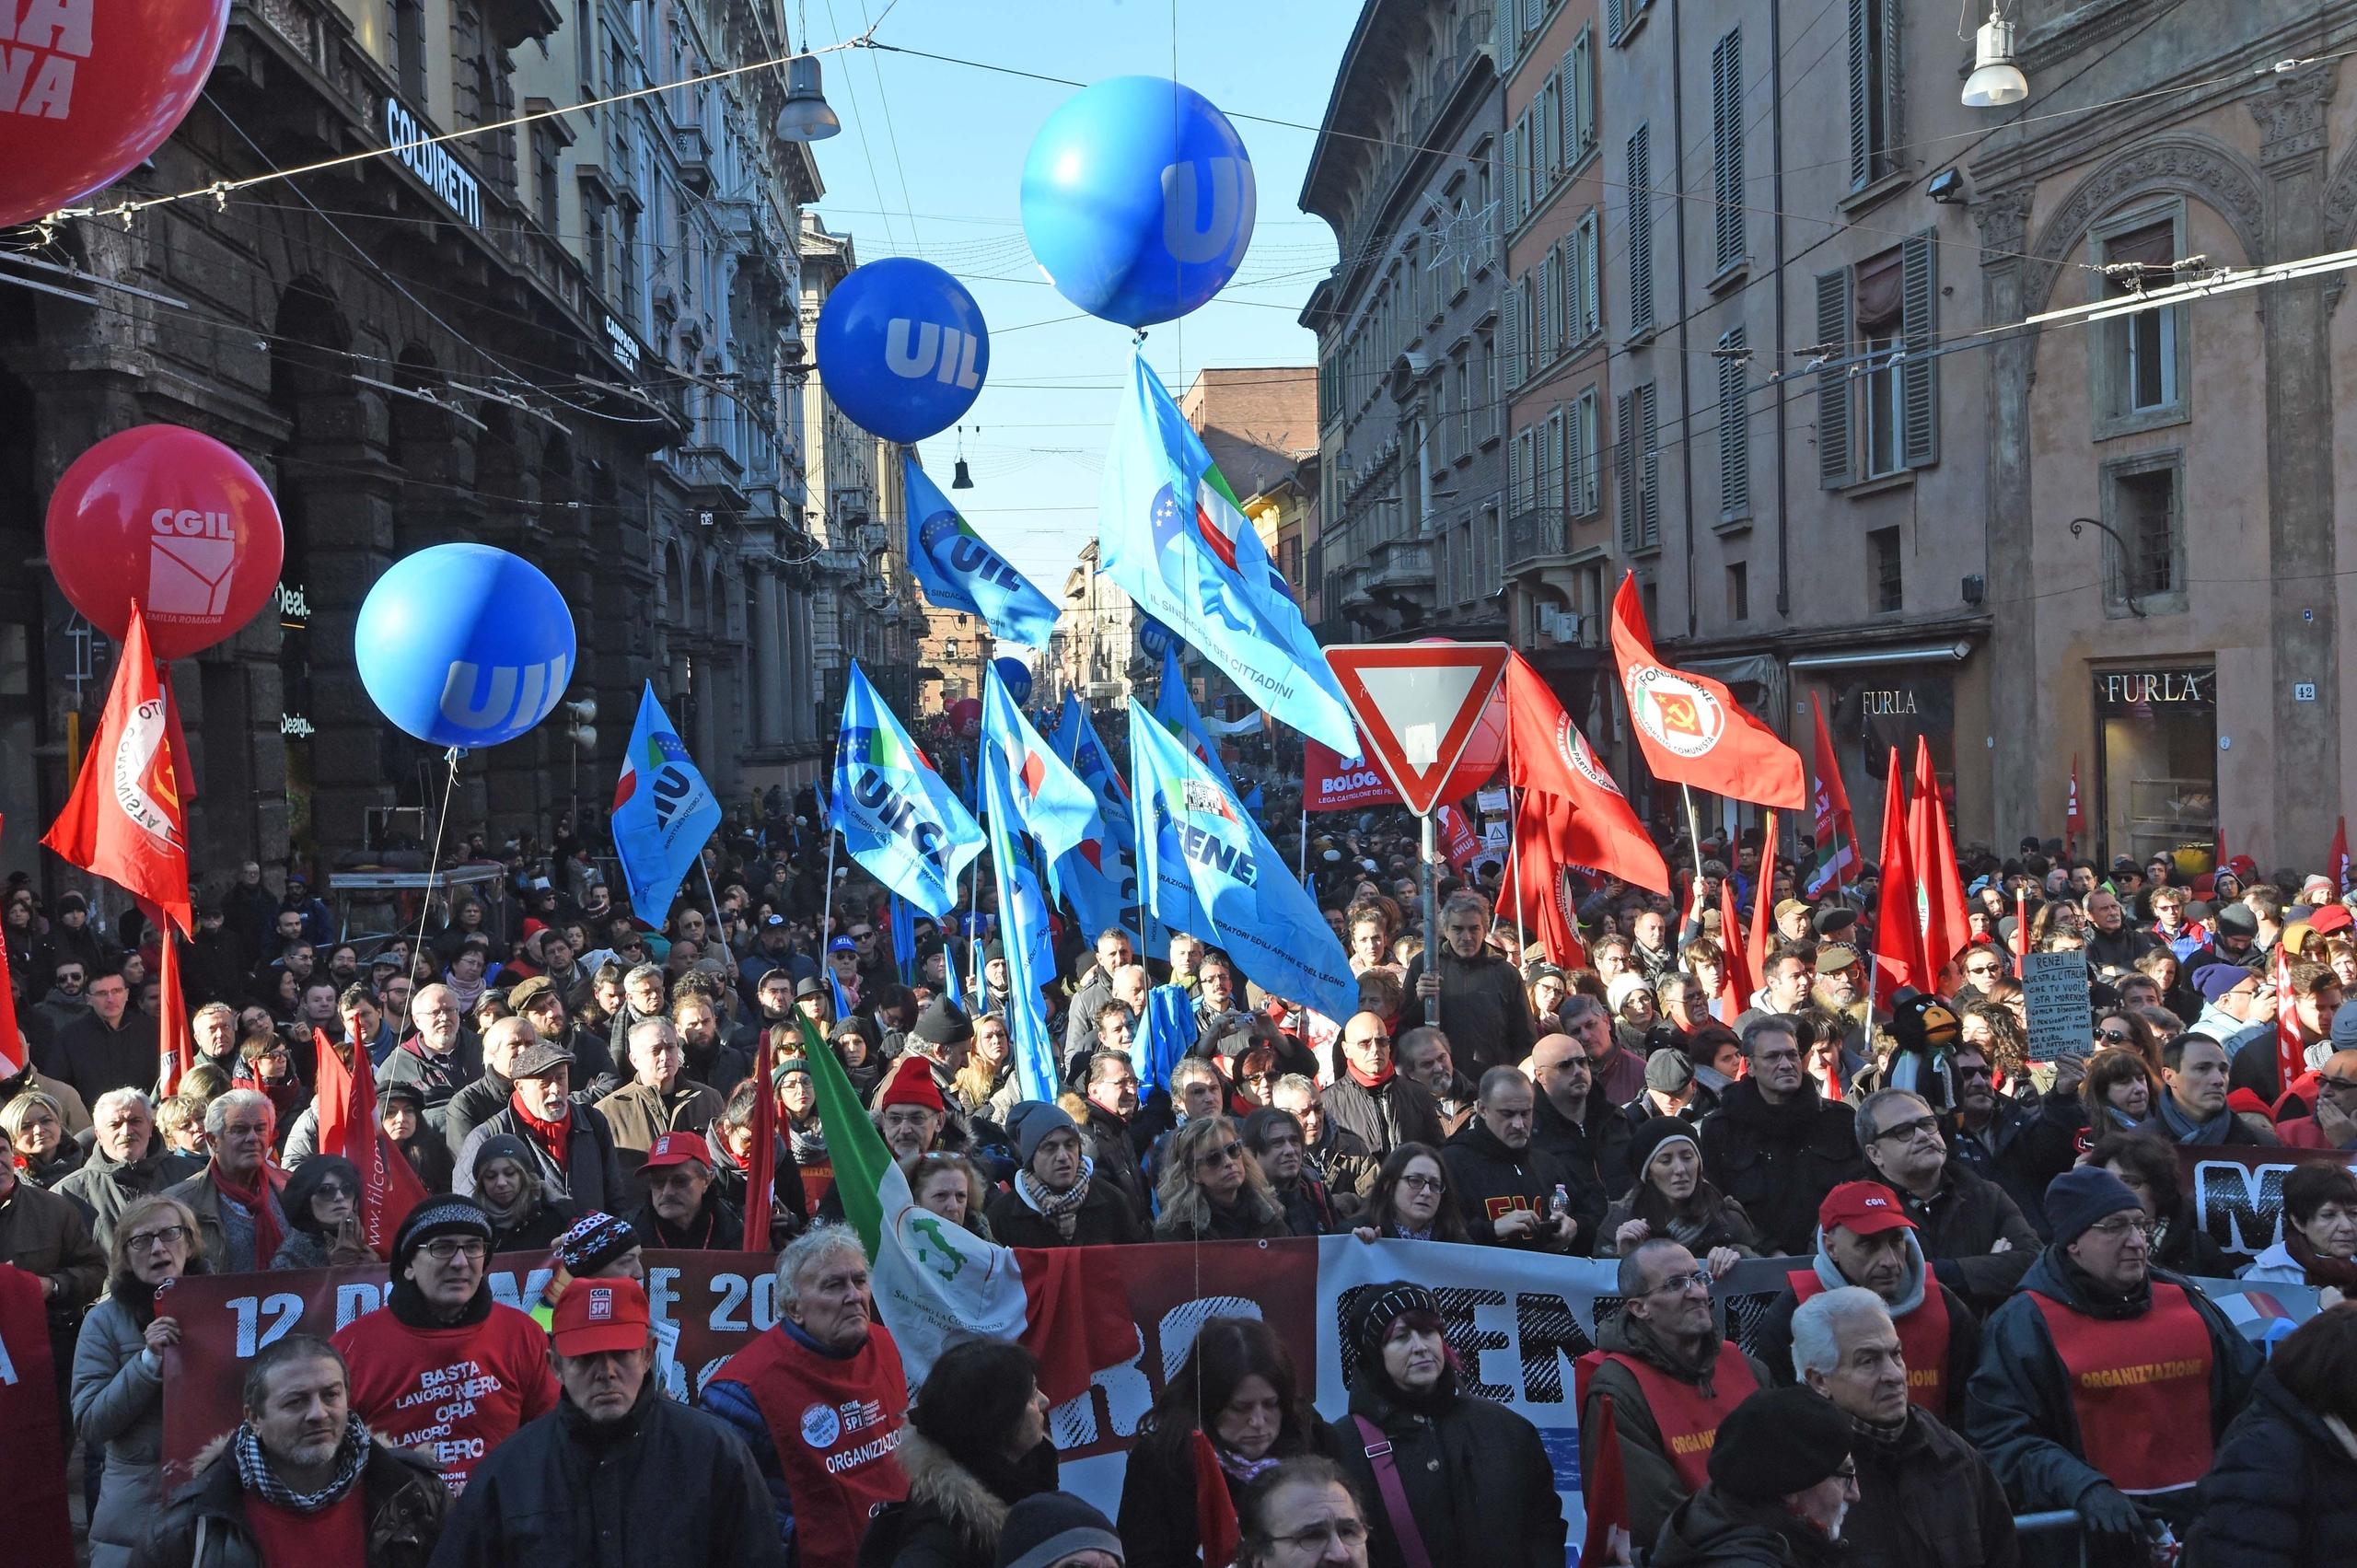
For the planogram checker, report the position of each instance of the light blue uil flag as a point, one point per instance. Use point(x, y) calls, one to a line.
point(897, 817)
point(1027, 788)
point(958, 570)
point(1210, 871)
point(664, 812)
point(1180, 715)
point(1100, 878)
point(1170, 533)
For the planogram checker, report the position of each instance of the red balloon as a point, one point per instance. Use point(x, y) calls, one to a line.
point(91, 90)
point(174, 519)
point(966, 718)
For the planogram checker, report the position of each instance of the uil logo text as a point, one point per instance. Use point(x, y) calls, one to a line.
point(915, 350)
point(505, 696)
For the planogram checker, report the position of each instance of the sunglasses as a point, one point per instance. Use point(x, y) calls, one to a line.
point(1226, 1154)
point(2115, 1037)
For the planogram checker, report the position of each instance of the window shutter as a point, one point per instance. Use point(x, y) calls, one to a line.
point(1919, 374)
point(1574, 460)
point(1510, 339)
point(1641, 229)
point(1624, 464)
point(1648, 437)
point(1508, 33)
point(1531, 10)
point(1592, 269)
point(1835, 464)
point(1513, 176)
point(1734, 430)
point(1592, 500)
point(1616, 16)
point(1546, 133)
point(1514, 471)
point(1559, 462)
point(1862, 81)
point(1726, 147)
point(1579, 96)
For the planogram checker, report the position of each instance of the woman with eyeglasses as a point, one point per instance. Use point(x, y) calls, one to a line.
point(1985, 965)
point(2149, 1168)
point(1672, 1200)
point(118, 1389)
point(1466, 1479)
point(1212, 1188)
point(1410, 1199)
point(2319, 1245)
point(1235, 1402)
point(322, 1200)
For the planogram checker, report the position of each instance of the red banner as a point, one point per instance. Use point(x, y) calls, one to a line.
point(1337, 784)
point(1457, 838)
point(34, 1520)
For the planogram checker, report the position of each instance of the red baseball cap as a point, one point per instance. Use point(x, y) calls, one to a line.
point(1866, 1208)
point(2328, 918)
point(676, 1148)
point(598, 1315)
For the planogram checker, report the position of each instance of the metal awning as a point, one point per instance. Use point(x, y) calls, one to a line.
point(1956, 652)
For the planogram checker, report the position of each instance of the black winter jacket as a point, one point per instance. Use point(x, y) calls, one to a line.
point(668, 1483)
point(1483, 1008)
point(1713, 1530)
point(1478, 1480)
point(1401, 1112)
point(1105, 1217)
point(2283, 1492)
point(1958, 1226)
point(953, 1513)
point(203, 1525)
point(1597, 1147)
point(1926, 1499)
point(1491, 1181)
point(2025, 1145)
point(1780, 1161)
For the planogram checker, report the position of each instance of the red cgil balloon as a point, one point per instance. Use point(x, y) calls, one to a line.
point(174, 519)
point(90, 90)
point(966, 718)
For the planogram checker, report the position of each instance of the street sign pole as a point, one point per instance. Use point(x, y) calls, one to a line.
point(1431, 921)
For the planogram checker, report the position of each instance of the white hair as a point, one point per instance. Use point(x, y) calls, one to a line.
point(217, 1114)
point(815, 1245)
point(114, 1098)
point(1817, 1323)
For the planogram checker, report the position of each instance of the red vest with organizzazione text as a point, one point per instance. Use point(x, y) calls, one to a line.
point(1689, 1423)
point(834, 1425)
point(1922, 1340)
point(2140, 1387)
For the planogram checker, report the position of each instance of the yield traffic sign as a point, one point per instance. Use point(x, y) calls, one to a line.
point(1417, 704)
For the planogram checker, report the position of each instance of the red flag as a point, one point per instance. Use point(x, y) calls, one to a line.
point(1836, 833)
point(124, 821)
point(33, 1510)
point(1691, 729)
point(1546, 752)
point(1457, 838)
point(345, 1098)
point(1939, 893)
point(13, 1054)
point(1216, 1528)
point(2336, 859)
point(1606, 1489)
point(2021, 918)
point(760, 1160)
point(2291, 1056)
point(175, 1037)
point(2073, 820)
point(1541, 868)
point(1737, 980)
point(1898, 939)
point(1763, 899)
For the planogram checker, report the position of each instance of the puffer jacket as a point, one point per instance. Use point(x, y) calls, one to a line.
point(119, 1406)
point(1780, 1161)
point(2284, 1491)
point(1477, 1476)
point(1926, 1499)
point(203, 1525)
point(1655, 1490)
point(1713, 1530)
point(953, 1515)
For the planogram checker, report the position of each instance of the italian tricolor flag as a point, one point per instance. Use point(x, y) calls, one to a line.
point(936, 1282)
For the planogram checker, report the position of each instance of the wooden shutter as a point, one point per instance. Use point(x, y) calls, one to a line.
point(1735, 428)
point(1624, 464)
point(1510, 339)
point(1726, 149)
point(1919, 373)
point(1512, 177)
point(1616, 16)
point(1591, 265)
point(1862, 87)
point(1649, 438)
point(1641, 229)
point(1514, 471)
point(1579, 98)
point(1836, 464)
point(1591, 498)
point(1508, 33)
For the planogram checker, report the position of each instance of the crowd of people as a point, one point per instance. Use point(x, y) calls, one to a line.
point(1988, 1310)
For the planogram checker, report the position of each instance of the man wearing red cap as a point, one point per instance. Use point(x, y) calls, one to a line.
point(1865, 1239)
point(684, 1210)
point(911, 1111)
point(616, 1473)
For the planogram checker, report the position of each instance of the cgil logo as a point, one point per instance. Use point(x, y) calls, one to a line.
point(947, 354)
point(33, 82)
point(190, 523)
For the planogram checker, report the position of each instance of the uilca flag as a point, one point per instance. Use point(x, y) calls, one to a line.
point(1178, 715)
point(897, 817)
point(1170, 533)
point(1210, 871)
point(664, 812)
point(1027, 788)
point(958, 570)
point(1100, 878)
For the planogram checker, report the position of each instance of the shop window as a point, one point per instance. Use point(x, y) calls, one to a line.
point(2156, 784)
point(1885, 589)
point(2141, 364)
point(2143, 502)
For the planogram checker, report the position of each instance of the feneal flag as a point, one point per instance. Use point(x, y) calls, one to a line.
point(1930, 853)
point(1209, 870)
point(13, 1053)
point(958, 570)
point(1100, 877)
point(1175, 708)
point(1836, 864)
point(897, 817)
point(1546, 751)
point(345, 1098)
point(1027, 788)
point(1899, 938)
point(1691, 729)
point(1169, 532)
point(124, 821)
point(936, 1282)
point(664, 812)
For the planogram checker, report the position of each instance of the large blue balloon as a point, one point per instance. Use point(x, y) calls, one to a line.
point(1138, 200)
point(902, 349)
point(464, 646)
point(1016, 675)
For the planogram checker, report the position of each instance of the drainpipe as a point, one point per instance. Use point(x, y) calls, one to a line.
point(1776, 275)
point(1685, 359)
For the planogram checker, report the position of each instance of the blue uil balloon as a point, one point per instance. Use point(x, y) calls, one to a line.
point(1138, 200)
point(462, 645)
point(902, 348)
point(1017, 676)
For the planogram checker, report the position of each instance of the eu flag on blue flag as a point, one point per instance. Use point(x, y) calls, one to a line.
point(897, 815)
point(1178, 715)
point(958, 570)
point(1213, 873)
point(663, 812)
point(1027, 788)
point(1169, 532)
point(1099, 879)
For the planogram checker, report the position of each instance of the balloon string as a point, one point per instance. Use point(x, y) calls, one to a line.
point(433, 862)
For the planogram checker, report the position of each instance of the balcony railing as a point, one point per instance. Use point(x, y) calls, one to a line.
point(1535, 535)
point(1400, 565)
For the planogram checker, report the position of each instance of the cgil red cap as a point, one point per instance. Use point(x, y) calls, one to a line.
point(1866, 1208)
point(676, 1148)
point(912, 1085)
point(598, 1315)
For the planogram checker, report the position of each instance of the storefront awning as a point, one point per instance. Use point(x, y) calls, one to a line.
point(1903, 653)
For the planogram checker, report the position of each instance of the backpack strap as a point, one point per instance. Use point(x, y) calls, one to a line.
point(1394, 1493)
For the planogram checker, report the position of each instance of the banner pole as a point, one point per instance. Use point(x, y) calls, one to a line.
point(827, 900)
point(1431, 921)
point(1301, 860)
point(1514, 856)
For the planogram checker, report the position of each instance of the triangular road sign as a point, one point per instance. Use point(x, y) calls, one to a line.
point(1417, 704)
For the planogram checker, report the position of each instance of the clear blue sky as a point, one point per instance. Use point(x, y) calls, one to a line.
point(929, 162)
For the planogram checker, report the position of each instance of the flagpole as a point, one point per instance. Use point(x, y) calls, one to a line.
point(1693, 833)
point(707, 885)
point(1514, 857)
point(827, 900)
point(1301, 860)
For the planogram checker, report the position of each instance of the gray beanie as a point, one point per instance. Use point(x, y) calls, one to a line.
point(1030, 1123)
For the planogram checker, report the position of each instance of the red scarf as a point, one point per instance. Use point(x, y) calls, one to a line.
point(1376, 1081)
point(256, 1199)
point(554, 1138)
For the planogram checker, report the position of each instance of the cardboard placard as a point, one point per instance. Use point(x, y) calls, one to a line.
point(2062, 1023)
